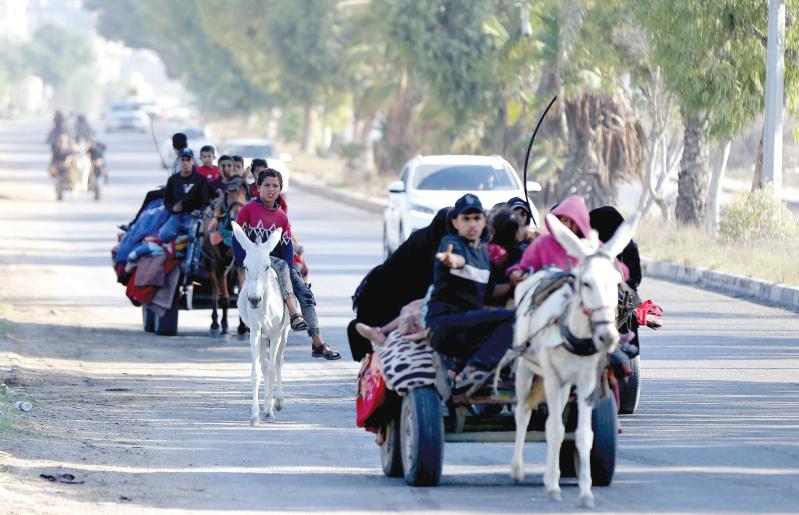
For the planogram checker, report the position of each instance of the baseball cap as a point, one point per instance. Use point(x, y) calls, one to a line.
point(186, 152)
point(467, 204)
point(517, 203)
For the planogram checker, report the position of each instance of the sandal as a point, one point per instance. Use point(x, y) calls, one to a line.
point(324, 351)
point(298, 323)
point(469, 378)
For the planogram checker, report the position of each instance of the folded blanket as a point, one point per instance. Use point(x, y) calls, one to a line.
point(406, 364)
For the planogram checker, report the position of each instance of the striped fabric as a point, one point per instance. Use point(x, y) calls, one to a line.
point(406, 364)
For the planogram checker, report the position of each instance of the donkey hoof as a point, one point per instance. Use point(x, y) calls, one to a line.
point(554, 495)
point(267, 417)
point(254, 421)
point(242, 336)
point(587, 501)
point(278, 404)
point(214, 331)
point(517, 473)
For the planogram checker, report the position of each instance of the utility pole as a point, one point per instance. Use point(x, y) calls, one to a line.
point(775, 77)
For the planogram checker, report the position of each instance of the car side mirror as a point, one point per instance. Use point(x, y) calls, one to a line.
point(285, 157)
point(533, 187)
point(396, 187)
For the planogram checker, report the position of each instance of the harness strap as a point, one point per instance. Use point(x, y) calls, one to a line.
point(573, 344)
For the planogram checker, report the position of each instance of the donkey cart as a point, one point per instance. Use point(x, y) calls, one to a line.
point(419, 415)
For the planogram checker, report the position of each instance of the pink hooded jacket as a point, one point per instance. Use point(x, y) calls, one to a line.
point(546, 251)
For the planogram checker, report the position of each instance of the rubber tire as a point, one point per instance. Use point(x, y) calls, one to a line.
point(59, 192)
point(391, 450)
point(422, 437)
point(148, 320)
point(603, 450)
point(630, 390)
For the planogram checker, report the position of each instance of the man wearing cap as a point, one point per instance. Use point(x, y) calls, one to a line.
point(185, 192)
point(456, 316)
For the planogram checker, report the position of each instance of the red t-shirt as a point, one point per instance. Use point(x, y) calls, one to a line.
point(211, 173)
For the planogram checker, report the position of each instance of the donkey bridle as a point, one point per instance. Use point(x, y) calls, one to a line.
point(573, 344)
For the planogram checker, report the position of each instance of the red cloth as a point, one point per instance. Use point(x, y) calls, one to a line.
point(211, 173)
point(496, 254)
point(145, 295)
point(649, 314)
point(371, 394)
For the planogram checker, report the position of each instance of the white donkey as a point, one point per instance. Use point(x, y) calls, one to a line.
point(261, 307)
point(563, 341)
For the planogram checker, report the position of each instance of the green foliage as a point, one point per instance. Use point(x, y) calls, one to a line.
point(757, 216)
point(55, 53)
point(713, 55)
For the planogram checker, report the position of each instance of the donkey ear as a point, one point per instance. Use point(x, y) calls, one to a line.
point(616, 244)
point(573, 245)
point(273, 240)
point(242, 238)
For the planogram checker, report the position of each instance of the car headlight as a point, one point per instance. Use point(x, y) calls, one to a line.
point(419, 210)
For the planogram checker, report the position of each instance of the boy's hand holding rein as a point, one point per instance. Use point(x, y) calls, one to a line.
point(449, 259)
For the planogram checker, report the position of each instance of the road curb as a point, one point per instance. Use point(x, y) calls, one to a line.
point(343, 197)
point(756, 290)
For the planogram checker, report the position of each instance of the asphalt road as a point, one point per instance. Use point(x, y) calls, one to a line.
point(154, 423)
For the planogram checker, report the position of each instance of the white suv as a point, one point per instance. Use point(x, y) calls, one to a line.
point(430, 183)
point(126, 115)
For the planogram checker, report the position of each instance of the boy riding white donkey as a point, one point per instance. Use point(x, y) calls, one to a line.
point(262, 308)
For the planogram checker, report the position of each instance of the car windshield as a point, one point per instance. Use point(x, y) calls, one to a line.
point(194, 133)
point(128, 106)
point(250, 150)
point(463, 177)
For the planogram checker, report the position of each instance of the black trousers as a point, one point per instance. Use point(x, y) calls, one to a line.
point(483, 334)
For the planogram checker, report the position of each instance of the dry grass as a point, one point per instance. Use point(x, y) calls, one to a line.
point(776, 261)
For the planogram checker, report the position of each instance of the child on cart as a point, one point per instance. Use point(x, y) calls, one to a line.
point(459, 324)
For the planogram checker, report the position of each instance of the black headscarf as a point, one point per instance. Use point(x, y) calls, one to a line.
point(403, 277)
point(606, 220)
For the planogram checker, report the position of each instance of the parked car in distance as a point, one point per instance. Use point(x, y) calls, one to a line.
point(125, 115)
point(198, 137)
point(252, 148)
point(430, 183)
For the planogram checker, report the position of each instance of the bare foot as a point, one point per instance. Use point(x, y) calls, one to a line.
point(371, 333)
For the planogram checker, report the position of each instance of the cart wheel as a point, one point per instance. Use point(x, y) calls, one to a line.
point(391, 450)
point(630, 390)
point(148, 318)
point(422, 437)
point(603, 451)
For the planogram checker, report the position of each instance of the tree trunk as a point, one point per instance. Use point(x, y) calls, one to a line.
point(712, 222)
point(308, 129)
point(692, 183)
point(757, 182)
point(397, 144)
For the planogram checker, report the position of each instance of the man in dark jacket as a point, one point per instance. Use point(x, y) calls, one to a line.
point(405, 276)
point(185, 192)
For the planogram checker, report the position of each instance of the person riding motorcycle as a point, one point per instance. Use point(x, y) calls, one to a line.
point(58, 129)
point(83, 131)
